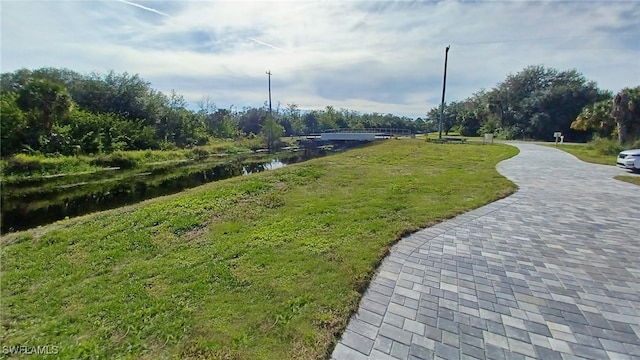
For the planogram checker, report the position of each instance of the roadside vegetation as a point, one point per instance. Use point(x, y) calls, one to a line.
point(630, 179)
point(598, 151)
point(592, 152)
point(264, 266)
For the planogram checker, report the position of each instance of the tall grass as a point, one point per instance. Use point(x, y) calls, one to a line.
point(37, 165)
point(24, 165)
point(603, 146)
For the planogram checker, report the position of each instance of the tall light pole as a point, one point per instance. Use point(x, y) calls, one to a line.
point(444, 86)
point(269, 73)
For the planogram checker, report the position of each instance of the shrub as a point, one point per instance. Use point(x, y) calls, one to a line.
point(22, 163)
point(199, 153)
point(116, 159)
point(506, 133)
point(634, 145)
point(605, 146)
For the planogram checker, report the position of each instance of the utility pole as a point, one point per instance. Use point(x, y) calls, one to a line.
point(269, 73)
point(444, 85)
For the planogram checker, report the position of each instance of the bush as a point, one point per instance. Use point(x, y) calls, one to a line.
point(22, 163)
point(199, 153)
point(508, 133)
point(116, 159)
point(634, 145)
point(605, 146)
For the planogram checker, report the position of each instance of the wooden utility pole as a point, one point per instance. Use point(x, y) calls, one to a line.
point(444, 85)
point(269, 73)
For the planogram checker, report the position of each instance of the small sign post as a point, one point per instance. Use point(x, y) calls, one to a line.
point(558, 135)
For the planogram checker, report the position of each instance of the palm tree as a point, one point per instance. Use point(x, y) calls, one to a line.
point(45, 99)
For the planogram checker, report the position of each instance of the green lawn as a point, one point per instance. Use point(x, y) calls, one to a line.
point(584, 153)
point(266, 266)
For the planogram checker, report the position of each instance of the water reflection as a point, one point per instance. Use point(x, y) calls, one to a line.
point(272, 165)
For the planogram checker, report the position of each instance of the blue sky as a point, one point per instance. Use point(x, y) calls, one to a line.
point(369, 56)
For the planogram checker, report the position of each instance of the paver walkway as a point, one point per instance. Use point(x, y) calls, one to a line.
point(551, 272)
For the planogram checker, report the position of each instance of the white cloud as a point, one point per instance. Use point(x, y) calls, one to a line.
point(144, 8)
point(379, 56)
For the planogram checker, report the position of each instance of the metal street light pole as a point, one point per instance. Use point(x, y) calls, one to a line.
point(444, 86)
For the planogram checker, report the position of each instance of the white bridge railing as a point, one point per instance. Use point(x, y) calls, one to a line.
point(381, 131)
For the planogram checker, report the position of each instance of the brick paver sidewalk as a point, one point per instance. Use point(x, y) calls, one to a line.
point(551, 272)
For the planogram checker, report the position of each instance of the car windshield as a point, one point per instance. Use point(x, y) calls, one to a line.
point(630, 153)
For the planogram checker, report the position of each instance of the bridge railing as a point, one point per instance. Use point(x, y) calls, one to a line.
point(383, 131)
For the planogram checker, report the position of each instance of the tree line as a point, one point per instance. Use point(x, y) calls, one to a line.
point(52, 110)
point(537, 101)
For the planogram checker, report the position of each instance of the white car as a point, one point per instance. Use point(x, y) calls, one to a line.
point(629, 159)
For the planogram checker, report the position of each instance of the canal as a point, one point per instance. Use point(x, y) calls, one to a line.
point(35, 202)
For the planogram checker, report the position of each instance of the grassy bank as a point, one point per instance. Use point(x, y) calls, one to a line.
point(22, 166)
point(587, 153)
point(267, 266)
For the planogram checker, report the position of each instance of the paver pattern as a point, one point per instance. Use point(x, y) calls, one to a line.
point(551, 272)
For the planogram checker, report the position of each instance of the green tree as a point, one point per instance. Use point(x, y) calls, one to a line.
point(46, 101)
point(272, 131)
point(626, 112)
point(294, 120)
point(220, 124)
point(469, 117)
point(12, 126)
point(596, 117)
point(449, 120)
point(328, 118)
point(251, 120)
point(311, 121)
point(532, 103)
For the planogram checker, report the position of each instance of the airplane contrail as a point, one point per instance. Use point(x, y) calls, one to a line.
point(268, 45)
point(145, 8)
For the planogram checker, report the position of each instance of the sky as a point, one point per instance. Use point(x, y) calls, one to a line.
point(368, 56)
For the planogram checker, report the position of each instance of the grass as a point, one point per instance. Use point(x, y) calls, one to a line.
point(22, 166)
point(586, 153)
point(630, 179)
point(266, 266)
point(452, 134)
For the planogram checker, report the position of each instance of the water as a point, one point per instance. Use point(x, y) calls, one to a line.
point(42, 201)
point(272, 165)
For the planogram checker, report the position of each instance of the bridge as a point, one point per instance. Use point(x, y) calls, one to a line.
point(360, 134)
